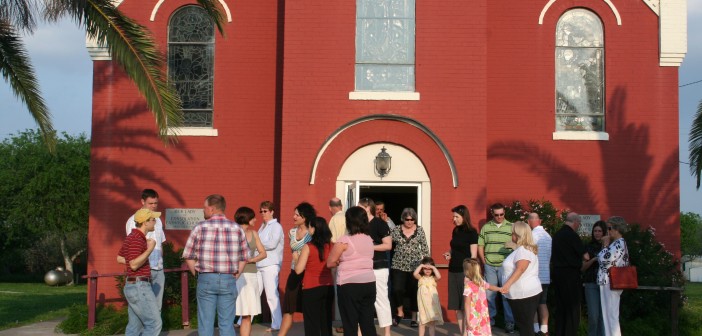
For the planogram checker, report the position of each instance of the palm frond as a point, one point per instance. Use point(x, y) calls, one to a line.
point(695, 146)
point(132, 46)
point(19, 13)
point(17, 70)
point(214, 12)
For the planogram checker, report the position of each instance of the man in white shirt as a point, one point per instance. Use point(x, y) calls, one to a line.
point(543, 240)
point(272, 238)
point(149, 200)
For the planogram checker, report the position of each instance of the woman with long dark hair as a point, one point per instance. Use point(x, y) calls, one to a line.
point(353, 256)
point(299, 237)
point(595, 323)
point(317, 290)
point(464, 245)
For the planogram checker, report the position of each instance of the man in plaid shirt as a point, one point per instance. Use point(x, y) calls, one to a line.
point(217, 250)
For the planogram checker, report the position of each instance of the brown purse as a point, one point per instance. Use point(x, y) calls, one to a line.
point(623, 277)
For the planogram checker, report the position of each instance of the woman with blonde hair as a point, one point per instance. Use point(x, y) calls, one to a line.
point(520, 279)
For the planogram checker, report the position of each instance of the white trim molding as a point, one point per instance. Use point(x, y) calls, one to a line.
point(608, 2)
point(654, 5)
point(399, 118)
point(97, 52)
point(673, 32)
point(384, 95)
point(221, 2)
point(193, 131)
point(579, 135)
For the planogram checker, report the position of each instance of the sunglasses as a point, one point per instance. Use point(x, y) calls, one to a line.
point(499, 214)
point(264, 211)
point(409, 219)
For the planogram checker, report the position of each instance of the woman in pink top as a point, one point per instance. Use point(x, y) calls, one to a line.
point(353, 256)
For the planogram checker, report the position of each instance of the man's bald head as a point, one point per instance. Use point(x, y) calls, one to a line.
point(534, 220)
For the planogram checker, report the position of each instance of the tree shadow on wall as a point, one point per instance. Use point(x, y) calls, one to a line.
point(574, 186)
point(112, 173)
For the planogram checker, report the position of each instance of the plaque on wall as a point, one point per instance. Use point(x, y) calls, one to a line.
point(586, 224)
point(183, 219)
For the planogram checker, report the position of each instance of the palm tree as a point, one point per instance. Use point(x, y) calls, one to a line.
point(695, 146)
point(129, 43)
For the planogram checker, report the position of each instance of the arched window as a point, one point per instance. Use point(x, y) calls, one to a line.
point(580, 78)
point(385, 45)
point(191, 63)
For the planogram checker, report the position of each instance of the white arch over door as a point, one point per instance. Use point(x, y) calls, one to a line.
point(407, 170)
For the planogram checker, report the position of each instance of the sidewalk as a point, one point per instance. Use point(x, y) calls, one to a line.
point(47, 328)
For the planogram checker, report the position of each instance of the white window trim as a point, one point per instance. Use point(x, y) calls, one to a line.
point(193, 131)
point(581, 135)
point(384, 95)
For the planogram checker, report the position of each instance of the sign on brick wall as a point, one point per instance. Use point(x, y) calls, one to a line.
point(183, 219)
point(586, 224)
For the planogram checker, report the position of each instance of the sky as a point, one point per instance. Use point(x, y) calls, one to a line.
point(64, 69)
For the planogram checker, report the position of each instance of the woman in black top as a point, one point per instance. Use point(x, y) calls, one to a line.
point(464, 245)
point(382, 242)
point(595, 322)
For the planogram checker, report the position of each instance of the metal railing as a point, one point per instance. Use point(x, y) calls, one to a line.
point(93, 277)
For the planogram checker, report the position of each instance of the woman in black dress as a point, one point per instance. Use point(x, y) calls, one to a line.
point(464, 245)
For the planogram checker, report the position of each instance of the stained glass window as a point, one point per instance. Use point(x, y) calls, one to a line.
point(385, 45)
point(191, 63)
point(580, 78)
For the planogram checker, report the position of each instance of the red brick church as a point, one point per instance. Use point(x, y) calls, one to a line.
point(572, 101)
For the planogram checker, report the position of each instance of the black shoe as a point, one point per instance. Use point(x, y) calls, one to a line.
point(509, 328)
point(414, 324)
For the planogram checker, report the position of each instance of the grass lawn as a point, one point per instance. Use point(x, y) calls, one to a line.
point(25, 303)
point(693, 290)
point(691, 314)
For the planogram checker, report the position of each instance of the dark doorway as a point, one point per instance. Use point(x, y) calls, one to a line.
point(395, 198)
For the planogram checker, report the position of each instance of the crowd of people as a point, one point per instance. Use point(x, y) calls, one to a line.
point(361, 266)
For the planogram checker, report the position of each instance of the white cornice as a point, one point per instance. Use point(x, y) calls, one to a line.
point(673, 32)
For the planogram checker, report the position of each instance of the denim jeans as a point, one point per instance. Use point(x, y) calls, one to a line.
point(493, 275)
point(216, 293)
point(158, 281)
point(595, 323)
point(144, 316)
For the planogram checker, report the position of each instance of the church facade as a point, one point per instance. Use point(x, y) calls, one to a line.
point(476, 102)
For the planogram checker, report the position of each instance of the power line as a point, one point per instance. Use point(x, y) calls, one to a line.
point(695, 82)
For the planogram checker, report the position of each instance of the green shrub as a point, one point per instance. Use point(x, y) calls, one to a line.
point(110, 320)
point(172, 293)
point(551, 217)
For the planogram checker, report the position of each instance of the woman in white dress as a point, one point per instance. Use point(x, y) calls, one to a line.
point(248, 303)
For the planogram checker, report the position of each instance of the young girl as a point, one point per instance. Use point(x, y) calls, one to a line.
point(427, 296)
point(477, 316)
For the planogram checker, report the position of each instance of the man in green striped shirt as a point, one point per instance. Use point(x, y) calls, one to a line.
point(492, 251)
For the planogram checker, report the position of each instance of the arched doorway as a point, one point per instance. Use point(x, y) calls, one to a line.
point(406, 185)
